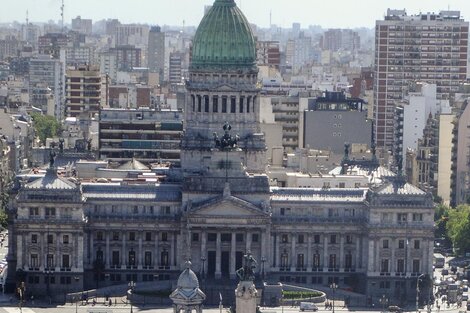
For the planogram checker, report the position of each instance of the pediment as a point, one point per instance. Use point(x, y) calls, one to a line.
point(225, 88)
point(227, 207)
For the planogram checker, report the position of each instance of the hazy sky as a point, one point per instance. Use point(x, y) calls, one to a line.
point(329, 13)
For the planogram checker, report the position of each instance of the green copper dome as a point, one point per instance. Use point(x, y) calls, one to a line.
point(224, 40)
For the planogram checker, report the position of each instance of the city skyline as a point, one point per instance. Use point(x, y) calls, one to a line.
point(191, 11)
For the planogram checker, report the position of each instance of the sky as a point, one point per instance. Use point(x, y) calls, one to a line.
point(328, 14)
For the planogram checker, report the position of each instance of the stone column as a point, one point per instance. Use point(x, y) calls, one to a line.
point(278, 252)
point(325, 253)
point(42, 258)
point(232, 256)
point(123, 257)
point(358, 254)
point(92, 248)
point(248, 241)
point(80, 252)
point(139, 261)
point(309, 252)
point(408, 261)
point(341, 253)
point(203, 249)
point(377, 256)
point(293, 257)
point(58, 261)
point(172, 249)
point(218, 270)
point(392, 258)
point(108, 253)
point(370, 261)
point(156, 261)
point(19, 251)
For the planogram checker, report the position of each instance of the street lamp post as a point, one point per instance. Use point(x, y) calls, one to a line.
point(333, 287)
point(76, 278)
point(263, 260)
point(203, 260)
point(131, 286)
point(417, 291)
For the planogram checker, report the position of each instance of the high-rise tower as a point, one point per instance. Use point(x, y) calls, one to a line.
point(430, 47)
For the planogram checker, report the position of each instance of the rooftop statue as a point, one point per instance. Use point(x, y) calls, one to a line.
point(247, 273)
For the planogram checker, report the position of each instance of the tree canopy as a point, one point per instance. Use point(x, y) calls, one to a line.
point(45, 126)
point(458, 228)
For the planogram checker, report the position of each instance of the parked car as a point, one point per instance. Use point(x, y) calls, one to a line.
point(465, 297)
point(307, 306)
point(394, 308)
point(445, 271)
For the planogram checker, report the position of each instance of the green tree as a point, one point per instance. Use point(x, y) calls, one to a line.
point(458, 228)
point(45, 126)
point(3, 210)
point(441, 216)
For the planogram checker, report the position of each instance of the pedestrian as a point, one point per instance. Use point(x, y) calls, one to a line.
point(32, 300)
point(110, 302)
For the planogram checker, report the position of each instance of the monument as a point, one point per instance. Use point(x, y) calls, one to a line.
point(187, 296)
point(246, 292)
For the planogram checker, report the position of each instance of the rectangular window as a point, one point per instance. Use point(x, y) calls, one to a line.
point(195, 237)
point(164, 236)
point(34, 238)
point(50, 212)
point(300, 261)
point(148, 236)
point(215, 104)
point(50, 261)
point(33, 212)
point(34, 261)
point(212, 237)
point(131, 258)
point(206, 104)
point(224, 104)
point(416, 266)
point(115, 235)
point(401, 218)
point(333, 239)
point(99, 236)
point(65, 239)
point(242, 104)
point(416, 244)
point(115, 258)
point(332, 261)
point(254, 237)
point(316, 260)
point(233, 105)
point(284, 238)
point(401, 244)
point(348, 260)
point(349, 239)
point(50, 239)
point(316, 239)
point(417, 217)
point(400, 266)
point(226, 237)
point(384, 266)
point(131, 236)
point(239, 237)
point(385, 244)
point(65, 261)
point(148, 258)
point(300, 239)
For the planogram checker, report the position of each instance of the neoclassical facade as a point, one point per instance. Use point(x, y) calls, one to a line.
point(70, 234)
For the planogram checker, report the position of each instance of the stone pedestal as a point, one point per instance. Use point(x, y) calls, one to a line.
point(245, 296)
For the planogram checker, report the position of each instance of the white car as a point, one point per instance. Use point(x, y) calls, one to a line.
point(307, 306)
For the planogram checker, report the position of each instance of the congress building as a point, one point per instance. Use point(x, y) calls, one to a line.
point(70, 234)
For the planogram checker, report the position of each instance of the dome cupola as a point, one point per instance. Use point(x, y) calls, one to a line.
point(224, 40)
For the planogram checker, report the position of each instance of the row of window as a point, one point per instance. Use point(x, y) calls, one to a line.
point(301, 238)
point(132, 259)
point(400, 266)
point(50, 261)
point(401, 244)
point(202, 104)
point(63, 280)
point(316, 261)
point(50, 239)
point(131, 236)
point(402, 217)
point(332, 212)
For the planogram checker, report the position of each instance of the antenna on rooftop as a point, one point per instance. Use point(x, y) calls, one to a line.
point(62, 7)
point(27, 18)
